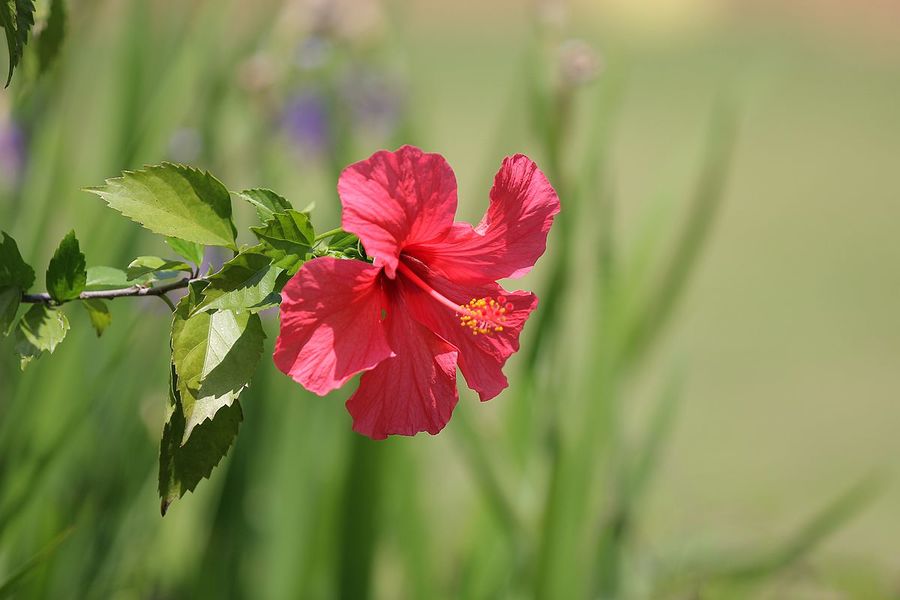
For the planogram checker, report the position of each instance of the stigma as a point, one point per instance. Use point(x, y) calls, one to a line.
point(484, 315)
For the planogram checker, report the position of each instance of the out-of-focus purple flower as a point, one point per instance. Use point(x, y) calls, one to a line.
point(13, 146)
point(305, 120)
point(376, 100)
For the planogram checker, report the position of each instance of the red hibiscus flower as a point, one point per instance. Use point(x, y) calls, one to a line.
point(429, 302)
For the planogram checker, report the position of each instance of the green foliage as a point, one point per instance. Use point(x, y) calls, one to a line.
point(51, 37)
point(189, 250)
point(98, 311)
point(40, 330)
point(106, 278)
point(175, 201)
point(287, 238)
point(66, 273)
point(183, 464)
point(215, 355)
point(15, 278)
point(160, 268)
point(17, 18)
point(267, 202)
point(249, 281)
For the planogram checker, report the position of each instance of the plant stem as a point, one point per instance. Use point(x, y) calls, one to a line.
point(328, 234)
point(135, 290)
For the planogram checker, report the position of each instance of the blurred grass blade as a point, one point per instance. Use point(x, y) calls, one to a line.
point(825, 523)
point(649, 455)
point(617, 526)
point(8, 587)
point(707, 199)
point(485, 476)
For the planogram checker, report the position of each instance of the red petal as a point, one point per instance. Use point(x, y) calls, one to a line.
point(394, 199)
point(411, 392)
point(511, 236)
point(331, 325)
point(481, 357)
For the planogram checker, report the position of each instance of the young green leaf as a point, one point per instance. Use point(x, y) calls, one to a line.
point(17, 18)
point(15, 278)
point(175, 201)
point(247, 282)
point(267, 202)
point(189, 250)
point(215, 355)
point(51, 37)
point(66, 274)
point(183, 465)
point(106, 278)
point(99, 314)
point(154, 265)
point(287, 238)
point(40, 330)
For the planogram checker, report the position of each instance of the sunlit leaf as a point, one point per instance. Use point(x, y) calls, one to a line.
point(40, 330)
point(215, 355)
point(249, 281)
point(160, 267)
point(267, 202)
point(189, 250)
point(175, 201)
point(287, 238)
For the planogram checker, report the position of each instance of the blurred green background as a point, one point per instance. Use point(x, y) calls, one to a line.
point(713, 366)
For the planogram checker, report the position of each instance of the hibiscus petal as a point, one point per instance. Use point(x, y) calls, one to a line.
point(331, 323)
point(394, 199)
point(411, 392)
point(511, 236)
point(481, 357)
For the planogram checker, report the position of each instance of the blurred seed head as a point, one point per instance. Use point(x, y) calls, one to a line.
point(578, 63)
point(348, 20)
point(258, 73)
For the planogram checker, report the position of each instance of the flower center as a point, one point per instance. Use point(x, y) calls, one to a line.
point(480, 315)
point(484, 315)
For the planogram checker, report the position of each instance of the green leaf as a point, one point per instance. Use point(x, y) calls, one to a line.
point(189, 250)
point(14, 272)
point(40, 330)
point(175, 201)
point(249, 281)
point(66, 274)
point(183, 465)
point(215, 355)
point(9, 305)
point(17, 18)
point(15, 278)
point(147, 265)
point(51, 37)
point(288, 238)
point(106, 278)
point(99, 314)
point(267, 202)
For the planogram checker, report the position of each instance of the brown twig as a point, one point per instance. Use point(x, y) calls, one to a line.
point(135, 290)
